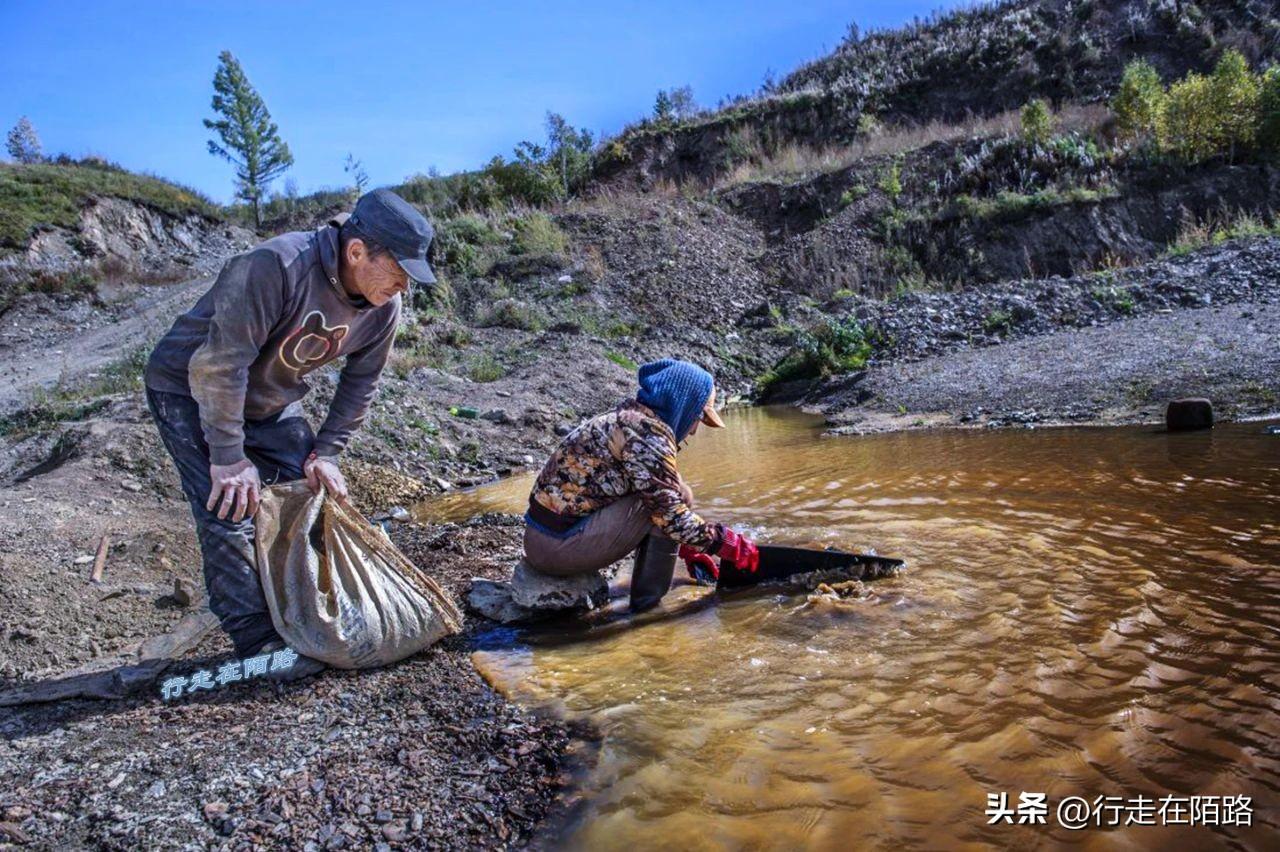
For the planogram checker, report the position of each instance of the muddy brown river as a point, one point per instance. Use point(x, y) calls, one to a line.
point(1085, 613)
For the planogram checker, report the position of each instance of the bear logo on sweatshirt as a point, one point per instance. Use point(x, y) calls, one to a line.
point(311, 344)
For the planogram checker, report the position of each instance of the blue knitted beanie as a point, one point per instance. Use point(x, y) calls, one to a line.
point(677, 391)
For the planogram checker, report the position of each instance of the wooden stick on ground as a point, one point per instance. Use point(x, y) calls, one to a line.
point(100, 561)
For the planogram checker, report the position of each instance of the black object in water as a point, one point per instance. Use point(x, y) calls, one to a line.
point(778, 562)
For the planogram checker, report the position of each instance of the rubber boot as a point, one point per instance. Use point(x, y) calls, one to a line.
point(654, 567)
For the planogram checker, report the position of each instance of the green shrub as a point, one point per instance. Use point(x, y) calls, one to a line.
point(17, 281)
point(899, 260)
point(869, 125)
point(407, 334)
point(454, 335)
point(914, 281)
point(1196, 234)
point(596, 322)
point(536, 233)
point(831, 348)
point(1075, 150)
point(891, 181)
point(1203, 117)
point(1010, 206)
point(1117, 298)
point(615, 152)
point(576, 287)
point(468, 244)
point(485, 368)
point(1185, 125)
point(79, 399)
point(1269, 110)
point(1137, 102)
point(621, 360)
point(741, 146)
point(1235, 102)
point(852, 194)
point(1037, 122)
point(415, 354)
point(998, 322)
point(511, 313)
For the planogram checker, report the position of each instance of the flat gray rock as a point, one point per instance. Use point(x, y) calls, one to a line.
point(542, 592)
point(492, 600)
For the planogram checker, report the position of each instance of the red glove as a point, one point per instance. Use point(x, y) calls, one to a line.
point(699, 565)
point(740, 550)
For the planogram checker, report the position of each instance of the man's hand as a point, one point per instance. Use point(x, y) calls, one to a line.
point(323, 470)
point(237, 487)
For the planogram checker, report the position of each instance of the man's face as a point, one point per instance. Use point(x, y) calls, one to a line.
point(379, 278)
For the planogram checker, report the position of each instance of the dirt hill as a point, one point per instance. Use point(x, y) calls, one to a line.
point(949, 68)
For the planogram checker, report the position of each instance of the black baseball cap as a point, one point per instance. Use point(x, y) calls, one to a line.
point(395, 223)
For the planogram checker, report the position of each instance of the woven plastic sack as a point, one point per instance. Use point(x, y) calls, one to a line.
point(338, 589)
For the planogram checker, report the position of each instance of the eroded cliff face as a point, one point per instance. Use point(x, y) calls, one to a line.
point(132, 235)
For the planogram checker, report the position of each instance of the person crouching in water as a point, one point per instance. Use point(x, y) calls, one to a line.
point(612, 487)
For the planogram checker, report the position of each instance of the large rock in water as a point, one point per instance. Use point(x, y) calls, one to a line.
point(1186, 414)
point(531, 595)
point(534, 590)
point(492, 599)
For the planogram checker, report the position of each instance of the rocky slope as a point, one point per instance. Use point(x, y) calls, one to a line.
point(88, 228)
point(976, 61)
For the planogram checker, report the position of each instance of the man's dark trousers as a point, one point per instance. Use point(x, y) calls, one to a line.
point(277, 446)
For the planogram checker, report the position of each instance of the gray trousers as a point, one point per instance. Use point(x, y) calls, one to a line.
point(606, 536)
point(277, 446)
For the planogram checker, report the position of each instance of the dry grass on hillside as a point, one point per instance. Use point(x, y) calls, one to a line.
point(796, 160)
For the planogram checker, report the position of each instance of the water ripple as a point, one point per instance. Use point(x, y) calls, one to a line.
point(1087, 612)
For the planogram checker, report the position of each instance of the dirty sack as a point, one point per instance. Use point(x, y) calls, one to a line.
point(338, 589)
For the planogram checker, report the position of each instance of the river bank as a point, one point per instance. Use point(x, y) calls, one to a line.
point(1123, 373)
point(421, 754)
point(432, 754)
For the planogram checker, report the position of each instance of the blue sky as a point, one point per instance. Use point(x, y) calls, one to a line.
point(404, 85)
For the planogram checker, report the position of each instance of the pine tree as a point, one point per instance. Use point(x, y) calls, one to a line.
point(250, 140)
point(23, 143)
point(663, 109)
point(355, 168)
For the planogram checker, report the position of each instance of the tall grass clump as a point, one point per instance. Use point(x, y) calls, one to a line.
point(830, 348)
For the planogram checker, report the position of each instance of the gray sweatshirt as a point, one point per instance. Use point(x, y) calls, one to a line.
point(275, 313)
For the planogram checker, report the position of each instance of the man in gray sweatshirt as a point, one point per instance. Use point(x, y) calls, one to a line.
point(225, 383)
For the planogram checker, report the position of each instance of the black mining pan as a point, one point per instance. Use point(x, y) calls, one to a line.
point(777, 562)
point(778, 566)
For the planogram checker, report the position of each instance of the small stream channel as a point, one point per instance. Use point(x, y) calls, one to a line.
point(1085, 612)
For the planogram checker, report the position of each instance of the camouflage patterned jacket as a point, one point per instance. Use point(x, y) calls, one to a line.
point(625, 451)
